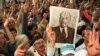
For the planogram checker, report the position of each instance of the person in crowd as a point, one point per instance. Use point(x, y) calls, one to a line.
point(91, 40)
point(8, 46)
point(32, 29)
point(11, 32)
point(39, 45)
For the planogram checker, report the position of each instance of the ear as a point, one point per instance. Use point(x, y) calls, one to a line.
point(33, 45)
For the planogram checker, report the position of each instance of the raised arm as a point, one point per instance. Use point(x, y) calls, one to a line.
point(93, 43)
point(51, 41)
point(9, 34)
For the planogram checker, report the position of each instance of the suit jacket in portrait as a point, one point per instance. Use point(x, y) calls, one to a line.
point(63, 39)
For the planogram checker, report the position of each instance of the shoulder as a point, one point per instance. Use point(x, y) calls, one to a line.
point(56, 29)
point(82, 52)
point(72, 29)
point(30, 51)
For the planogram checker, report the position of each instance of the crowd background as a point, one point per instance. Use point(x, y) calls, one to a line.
point(26, 18)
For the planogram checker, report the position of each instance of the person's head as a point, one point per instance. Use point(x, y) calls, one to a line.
point(13, 7)
point(11, 23)
point(67, 50)
point(63, 18)
point(46, 4)
point(32, 28)
point(85, 34)
point(21, 39)
point(38, 43)
point(26, 7)
point(87, 6)
point(96, 25)
point(72, 5)
point(45, 14)
point(14, 32)
point(91, 40)
point(60, 4)
point(96, 14)
point(30, 21)
point(34, 10)
point(2, 38)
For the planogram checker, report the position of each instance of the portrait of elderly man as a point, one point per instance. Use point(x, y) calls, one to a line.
point(64, 33)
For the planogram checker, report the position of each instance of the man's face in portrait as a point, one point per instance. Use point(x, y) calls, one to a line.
point(63, 19)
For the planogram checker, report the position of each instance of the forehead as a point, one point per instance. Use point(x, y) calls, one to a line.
point(39, 40)
point(64, 13)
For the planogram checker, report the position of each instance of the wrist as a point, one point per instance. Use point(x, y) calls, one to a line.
point(52, 44)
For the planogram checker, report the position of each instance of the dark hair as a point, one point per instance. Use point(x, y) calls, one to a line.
point(35, 37)
point(44, 11)
point(3, 51)
point(31, 26)
point(13, 29)
point(86, 28)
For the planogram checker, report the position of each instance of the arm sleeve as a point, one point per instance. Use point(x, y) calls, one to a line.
point(50, 51)
point(24, 23)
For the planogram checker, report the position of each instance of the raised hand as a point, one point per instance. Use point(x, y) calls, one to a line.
point(22, 7)
point(93, 44)
point(6, 23)
point(21, 49)
point(51, 35)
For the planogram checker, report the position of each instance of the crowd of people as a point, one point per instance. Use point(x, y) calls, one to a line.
point(25, 29)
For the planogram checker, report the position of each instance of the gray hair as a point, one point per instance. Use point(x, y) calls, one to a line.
point(68, 16)
point(21, 39)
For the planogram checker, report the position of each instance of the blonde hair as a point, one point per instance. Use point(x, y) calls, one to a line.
point(21, 39)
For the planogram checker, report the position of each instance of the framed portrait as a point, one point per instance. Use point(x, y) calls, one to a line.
point(64, 22)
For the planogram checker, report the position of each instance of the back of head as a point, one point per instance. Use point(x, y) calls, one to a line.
point(35, 38)
point(96, 13)
point(21, 39)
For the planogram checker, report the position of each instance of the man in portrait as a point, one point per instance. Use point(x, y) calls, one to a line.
point(64, 33)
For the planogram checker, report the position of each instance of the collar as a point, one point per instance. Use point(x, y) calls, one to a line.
point(66, 30)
